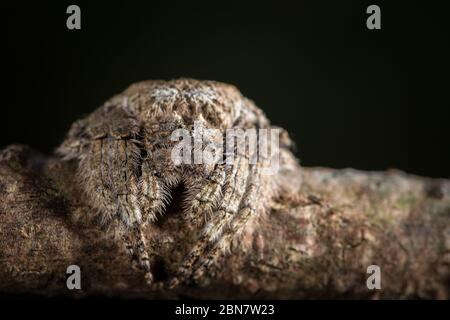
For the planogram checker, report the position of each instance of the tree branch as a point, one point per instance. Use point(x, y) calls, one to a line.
point(317, 245)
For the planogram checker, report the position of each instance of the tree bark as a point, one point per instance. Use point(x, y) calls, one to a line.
point(316, 245)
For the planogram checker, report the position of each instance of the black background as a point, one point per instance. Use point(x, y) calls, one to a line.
point(349, 96)
point(152, 309)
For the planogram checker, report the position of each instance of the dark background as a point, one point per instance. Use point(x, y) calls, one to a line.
point(349, 96)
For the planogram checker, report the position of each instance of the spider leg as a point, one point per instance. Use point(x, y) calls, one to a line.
point(152, 194)
point(124, 181)
point(249, 207)
point(130, 248)
point(259, 189)
point(109, 169)
point(205, 197)
point(233, 193)
point(137, 247)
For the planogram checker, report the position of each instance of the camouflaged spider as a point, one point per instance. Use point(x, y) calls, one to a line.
point(123, 150)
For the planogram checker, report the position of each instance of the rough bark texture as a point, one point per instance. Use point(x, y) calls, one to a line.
point(317, 245)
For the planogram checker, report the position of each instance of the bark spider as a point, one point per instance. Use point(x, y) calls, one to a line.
point(123, 151)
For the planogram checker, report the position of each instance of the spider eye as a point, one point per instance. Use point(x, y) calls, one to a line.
point(157, 174)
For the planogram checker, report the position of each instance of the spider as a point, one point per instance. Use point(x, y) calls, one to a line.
point(123, 150)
